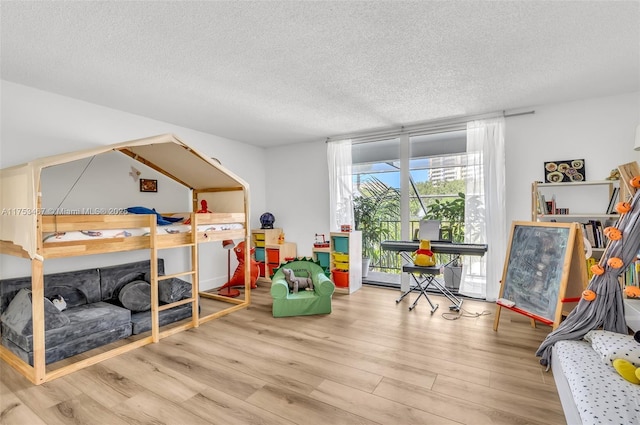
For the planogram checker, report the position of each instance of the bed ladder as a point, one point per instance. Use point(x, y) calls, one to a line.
point(155, 279)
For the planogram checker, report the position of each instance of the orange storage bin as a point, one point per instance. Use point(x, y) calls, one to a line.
point(261, 267)
point(271, 268)
point(273, 256)
point(340, 278)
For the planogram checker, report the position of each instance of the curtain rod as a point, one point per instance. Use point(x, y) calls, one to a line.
point(449, 124)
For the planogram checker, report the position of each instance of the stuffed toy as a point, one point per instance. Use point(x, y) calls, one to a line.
point(295, 283)
point(59, 302)
point(626, 369)
point(238, 276)
point(424, 257)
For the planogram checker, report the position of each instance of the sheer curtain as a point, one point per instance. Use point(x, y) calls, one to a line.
point(340, 184)
point(485, 208)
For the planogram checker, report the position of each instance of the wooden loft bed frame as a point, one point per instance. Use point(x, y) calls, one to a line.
point(154, 242)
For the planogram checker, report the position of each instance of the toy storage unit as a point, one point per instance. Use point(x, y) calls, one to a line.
point(322, 256)
point(269, 252)
point(345, 260)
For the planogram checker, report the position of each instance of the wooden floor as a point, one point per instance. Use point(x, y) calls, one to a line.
point(369, 362)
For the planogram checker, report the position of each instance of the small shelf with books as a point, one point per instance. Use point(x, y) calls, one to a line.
point(590, 203)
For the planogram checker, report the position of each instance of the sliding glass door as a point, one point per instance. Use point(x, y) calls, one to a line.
point(433, 188)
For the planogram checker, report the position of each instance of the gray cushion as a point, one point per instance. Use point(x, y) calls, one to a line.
point(172, 290)
point(136, 296)
point(17, 316)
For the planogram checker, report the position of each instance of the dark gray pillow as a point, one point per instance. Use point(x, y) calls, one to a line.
point(136, 296)
point(17, 316)
point(172, 290)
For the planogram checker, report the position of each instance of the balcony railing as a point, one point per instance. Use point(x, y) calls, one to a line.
point(390, 261)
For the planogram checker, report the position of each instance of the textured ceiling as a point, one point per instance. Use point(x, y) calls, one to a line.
point(273, 73)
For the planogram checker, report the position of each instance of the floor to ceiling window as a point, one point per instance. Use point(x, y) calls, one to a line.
point(435, 190)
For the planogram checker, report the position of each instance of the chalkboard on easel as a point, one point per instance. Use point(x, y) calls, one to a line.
point(544, 268)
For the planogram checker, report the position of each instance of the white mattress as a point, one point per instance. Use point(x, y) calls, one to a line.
point(599, 394)
point(142, 231)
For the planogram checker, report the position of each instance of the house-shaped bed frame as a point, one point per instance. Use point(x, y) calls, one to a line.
point(21, 235)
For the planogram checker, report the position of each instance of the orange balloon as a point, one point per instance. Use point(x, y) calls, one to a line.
point(597, 269)
point(615, 262)
point(589, 295)
point(623, 207)
point(635, 182)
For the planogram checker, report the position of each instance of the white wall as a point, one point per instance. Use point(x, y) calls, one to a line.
point(600, 130)
point(298, 192)
point(35, 123)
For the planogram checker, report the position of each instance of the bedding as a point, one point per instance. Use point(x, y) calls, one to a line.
point(597, 393)
point(143, 231)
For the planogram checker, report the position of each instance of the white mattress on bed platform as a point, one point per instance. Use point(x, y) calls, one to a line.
point(142, 231)
point(591, 391)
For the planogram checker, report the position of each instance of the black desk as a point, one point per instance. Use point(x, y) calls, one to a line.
point(424, 277)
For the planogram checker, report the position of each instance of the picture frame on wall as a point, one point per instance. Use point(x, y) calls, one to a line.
point(571, 170)
point(148, 185)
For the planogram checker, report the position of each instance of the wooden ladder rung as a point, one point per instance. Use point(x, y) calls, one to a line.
point(171, 276)
point(176, 304)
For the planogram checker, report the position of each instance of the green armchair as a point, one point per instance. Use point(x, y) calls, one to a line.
point(318, 301)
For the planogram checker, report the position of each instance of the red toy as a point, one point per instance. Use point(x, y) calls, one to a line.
point(238, 276)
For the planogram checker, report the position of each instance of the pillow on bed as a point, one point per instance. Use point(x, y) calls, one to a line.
point(613, 345)
point(17, 316)
point(172, 290)
point(136, 296)
point(160, 220)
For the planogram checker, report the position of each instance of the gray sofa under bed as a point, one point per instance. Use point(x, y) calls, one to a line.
point(103, 305)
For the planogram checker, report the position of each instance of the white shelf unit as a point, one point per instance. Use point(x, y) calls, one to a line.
point(346, 243)
point(588, 200)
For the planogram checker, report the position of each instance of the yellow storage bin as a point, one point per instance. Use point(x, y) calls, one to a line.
point(342, 266)
point(259, 244)
point(341, 257)
point(258, 236)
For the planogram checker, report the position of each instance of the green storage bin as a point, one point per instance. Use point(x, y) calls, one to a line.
point(341, 244)
point(260, 254)
point(323, 259)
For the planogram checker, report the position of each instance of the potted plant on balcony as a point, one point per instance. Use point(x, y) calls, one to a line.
point(376, 203)
point(451, 213)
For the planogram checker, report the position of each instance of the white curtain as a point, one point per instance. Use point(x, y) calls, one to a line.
point(485, 208)
point(340, 184)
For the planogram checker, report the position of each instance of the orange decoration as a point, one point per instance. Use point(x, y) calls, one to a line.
point(589, 295)
point(632, 291)
point(623, 207)
point(597, 269)
point(613, 233)
point(635, 182)
point(615, 262)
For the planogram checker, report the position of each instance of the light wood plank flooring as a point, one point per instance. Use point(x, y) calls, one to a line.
point(369, 362)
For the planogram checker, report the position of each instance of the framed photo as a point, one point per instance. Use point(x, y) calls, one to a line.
point(147, 185)
point(571, 170)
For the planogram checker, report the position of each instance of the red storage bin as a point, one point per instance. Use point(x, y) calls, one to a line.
point(273, 256)
point(261, 267)
point(340, 278)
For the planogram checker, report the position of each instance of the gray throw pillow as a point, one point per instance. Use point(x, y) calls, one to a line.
point(136, 296)
point(172, 290)
point(17, 316)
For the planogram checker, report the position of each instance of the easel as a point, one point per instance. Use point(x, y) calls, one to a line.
point(573, 279)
